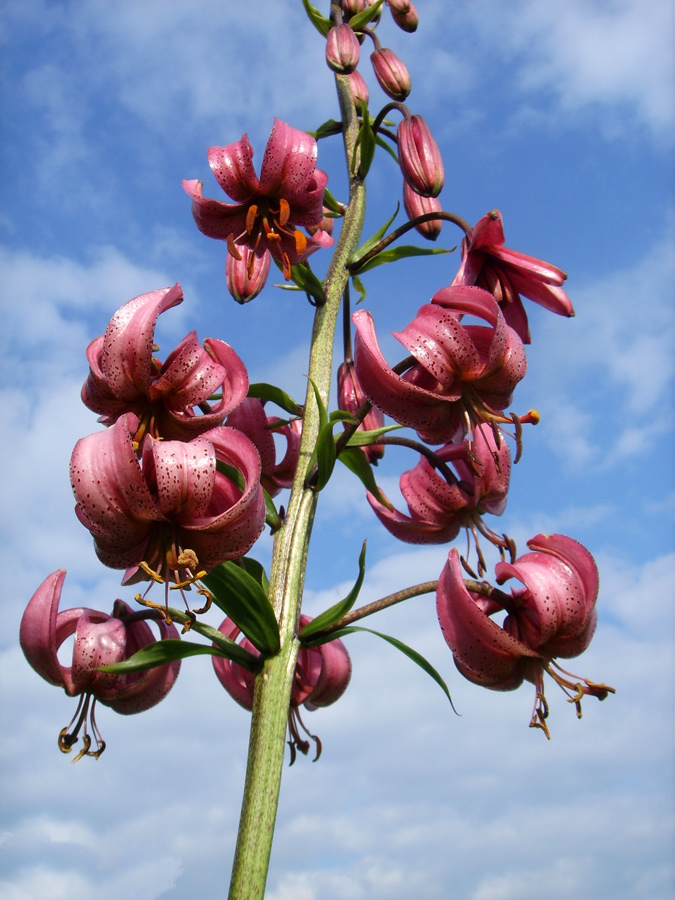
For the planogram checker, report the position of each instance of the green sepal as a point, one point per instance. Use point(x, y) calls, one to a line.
point(365, 438)
point(321, 23)
point(368, 245)
point(327, 129)
point(357, 462)
point(366, 141)
point(336, 612)
point(171, 649)
point(360, 20)
point(416, 657)
point(274, 394)
point(242, 598)
point(402, 252)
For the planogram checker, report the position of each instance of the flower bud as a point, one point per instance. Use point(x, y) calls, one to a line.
point(359, 87)
point(419, 157)
point(404, 14)
point(352, 398)
point(342, 49)
point(246, 277)
point(416, 205)
point(391, 73)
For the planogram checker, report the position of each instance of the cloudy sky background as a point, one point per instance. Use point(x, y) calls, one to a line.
point(560, 115)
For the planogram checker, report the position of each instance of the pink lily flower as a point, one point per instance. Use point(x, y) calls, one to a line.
point(321, 677)
point(461, 370)
point(170, 398)
point(249, 418)
point(267, 211)
point(552, 615)
point(507, 274)
point(351, 398)
point(174, 500)
point(100, 640)
point(440, 508)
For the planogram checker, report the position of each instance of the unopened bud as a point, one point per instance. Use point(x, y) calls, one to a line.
point(416, 205)
point(404, 14)
point(246, 277)
point(351, 398)
point(419, 157)
point(359, 88)
point(391, 73)
point(342, 49)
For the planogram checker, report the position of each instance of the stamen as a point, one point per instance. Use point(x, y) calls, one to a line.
point(284, 211)
point(251, 216)
point(232, 248)
point(300, 241)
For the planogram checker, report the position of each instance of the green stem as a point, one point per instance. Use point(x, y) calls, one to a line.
point(273, 684)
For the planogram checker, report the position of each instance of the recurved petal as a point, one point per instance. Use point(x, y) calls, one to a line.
point(574, 555)
point(233, 167)
point(483, 652)
point(236, 680)
point(288, 164)
point(334, 674)
point(487, 232)
point(99, 641)
point(37, 634)
point(183, 474)
point(126, 354)
point(415, 531)
point(213, 218)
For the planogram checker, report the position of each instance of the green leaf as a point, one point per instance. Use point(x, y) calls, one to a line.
point(357, 462)
point(367, 142)
point(242, 598)
point(272, 517)
point(257, 570)
point(364, 438)
point(171, 649)
point(416, 657)
point(274, 394)
point(329, 200)
point(360, 20)
point(393, 254)
point(327, 129)
point(230, 472)
point(374, 239)
point(336, 612)
point(386, 145)
point(307, 281)
point(358, 285)
point(321, 23)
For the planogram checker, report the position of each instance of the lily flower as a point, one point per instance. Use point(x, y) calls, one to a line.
point(440, 507)
point(551, 615)
point(176, 499)
point(100, 640)
point(268, 211)
point(250, 418)
point(321, 677)
point(507, 274)
point(351, 398)
point(171, 399)
point(462, 373)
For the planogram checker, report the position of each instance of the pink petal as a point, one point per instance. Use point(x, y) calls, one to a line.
point(184, 475)
point(233, 167)
point(236, 680)
point(288, 164)
point(98, 642)
point(37, 635)
point(213, 218)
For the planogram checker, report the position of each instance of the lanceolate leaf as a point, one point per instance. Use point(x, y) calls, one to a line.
point(405, 250)
point(367, 142)
point(357, 462)
point(363, 438)
point(327, 129)
point(360, 20)
point(274, 394)
point(373, 240)
point(406, 650)
point(171, 649)
point(242, 598)
point(336, 612)
point(321, 23)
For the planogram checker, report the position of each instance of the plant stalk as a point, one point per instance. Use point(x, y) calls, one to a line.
point(273, 684)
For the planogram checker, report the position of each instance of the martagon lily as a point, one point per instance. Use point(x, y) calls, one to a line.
point(268, 211)
point(171, 399)
point(100, 640)
point(177, 498)
point(321, 677)
point(507, 274)
point(551, 615)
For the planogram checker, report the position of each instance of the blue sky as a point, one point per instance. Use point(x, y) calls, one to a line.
point(561, 116)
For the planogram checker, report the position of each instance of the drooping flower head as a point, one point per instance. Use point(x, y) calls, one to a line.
point(440, 505)
point(180, 496)
point(507, 274)
point(321, 677)
point(267, 212)
point(100, 640)
point(463, 373)
point(551, 615)
point(170, 399)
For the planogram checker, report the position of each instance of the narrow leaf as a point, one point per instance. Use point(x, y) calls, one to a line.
point(271, 392)
point(242, 598)
point(367, 142)
point(171, 649)
point(357, 462)
point(364, 438)
point(392, 254)
point(368, 245)
point(359, 286)
point(321, 23)
point(336, 612)
point(329, 200)
point(416, 657)
point(327, 129)
point(360, 20)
